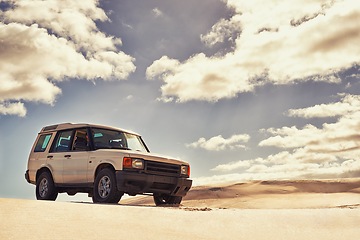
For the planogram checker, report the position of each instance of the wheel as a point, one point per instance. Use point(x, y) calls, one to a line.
point(105, 190)
point(118, 197)
point(45, 187)
point(164, 199)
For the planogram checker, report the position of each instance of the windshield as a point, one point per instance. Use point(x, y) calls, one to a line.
point(111, 139)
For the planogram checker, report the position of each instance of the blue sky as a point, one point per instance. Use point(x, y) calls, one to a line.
point(241, 90)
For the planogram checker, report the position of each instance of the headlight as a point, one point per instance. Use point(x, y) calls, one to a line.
point(185, 170)
point(138, 163)
point(133, 163)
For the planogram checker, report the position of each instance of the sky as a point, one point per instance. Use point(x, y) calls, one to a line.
point(242, 90)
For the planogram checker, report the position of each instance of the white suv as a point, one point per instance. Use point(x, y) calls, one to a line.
point(104, 162)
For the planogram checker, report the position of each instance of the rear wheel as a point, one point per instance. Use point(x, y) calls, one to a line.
point(165, 199)
point(45, 187)
point(105, 190)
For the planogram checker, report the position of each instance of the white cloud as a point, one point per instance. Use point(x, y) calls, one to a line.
point(129, 97)
point(347, 169)
point(348, 104)
point(331, 151)
point(243, 164)
point(43, 42)
point(292, 137)
point(277, 42)
point(224, 30)
point(340, 138)
point(13, 109)
point(157, 12)
point(164, 66)
point(218, 143)
point(199, 78)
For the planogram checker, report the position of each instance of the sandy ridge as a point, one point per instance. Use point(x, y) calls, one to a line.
point(271, 195)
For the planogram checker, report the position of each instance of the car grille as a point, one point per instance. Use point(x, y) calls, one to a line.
point(162, 168)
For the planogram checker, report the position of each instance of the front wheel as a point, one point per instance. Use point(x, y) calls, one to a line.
point(164, 199)
point(45, 187)
point(105, 190)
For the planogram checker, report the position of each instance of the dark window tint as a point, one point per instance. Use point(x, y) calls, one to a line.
point(63, 141)
point(108, 139)
point(81, 142)
point(104, 138)
point(42, 143)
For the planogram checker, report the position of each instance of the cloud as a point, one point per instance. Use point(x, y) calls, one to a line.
point(346, 169)
point(43, 42)
point(157, 12)
point(223, 30)
point(13, 109)
point(348, 104)
point(340, 138)
point(218, 143)
point(292, 137)
point(330, 151)
point(274, 42)
point(129, 97)
point(199, 78)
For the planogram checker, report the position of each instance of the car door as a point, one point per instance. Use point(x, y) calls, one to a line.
point(58, 153)
point(70, 156)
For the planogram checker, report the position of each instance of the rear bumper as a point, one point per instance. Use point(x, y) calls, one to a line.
point(134, 183)
point(27, 177)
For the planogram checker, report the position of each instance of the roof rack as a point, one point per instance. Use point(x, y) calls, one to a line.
point(52, 127)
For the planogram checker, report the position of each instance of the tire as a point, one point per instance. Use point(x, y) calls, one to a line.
point(45, 187)
point(117, 198)
point(164, 199)
point(105, 190)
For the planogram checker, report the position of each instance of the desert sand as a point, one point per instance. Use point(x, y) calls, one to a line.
point(298, 194)
point(252, 210)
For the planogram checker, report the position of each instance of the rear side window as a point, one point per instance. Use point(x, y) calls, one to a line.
point(42, 143)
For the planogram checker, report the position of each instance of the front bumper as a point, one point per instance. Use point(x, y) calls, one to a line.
point(134, 183)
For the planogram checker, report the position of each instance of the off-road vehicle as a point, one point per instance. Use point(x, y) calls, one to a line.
point(104, 162)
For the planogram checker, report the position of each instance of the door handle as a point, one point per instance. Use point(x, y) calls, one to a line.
point(50, 156)
point(67, 156)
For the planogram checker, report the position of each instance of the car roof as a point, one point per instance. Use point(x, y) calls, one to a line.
point(64, 126)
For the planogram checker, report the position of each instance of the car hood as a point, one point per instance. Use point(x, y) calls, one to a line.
point(156, 157)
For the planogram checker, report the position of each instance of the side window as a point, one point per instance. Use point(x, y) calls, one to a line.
point(42, 143)
point(62, 141)
point(81, 140)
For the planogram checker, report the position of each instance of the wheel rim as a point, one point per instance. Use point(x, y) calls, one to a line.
point(43, 187)
point(104, 187)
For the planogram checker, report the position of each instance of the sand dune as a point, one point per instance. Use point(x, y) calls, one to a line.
point(271, 195)
point(253, 210)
